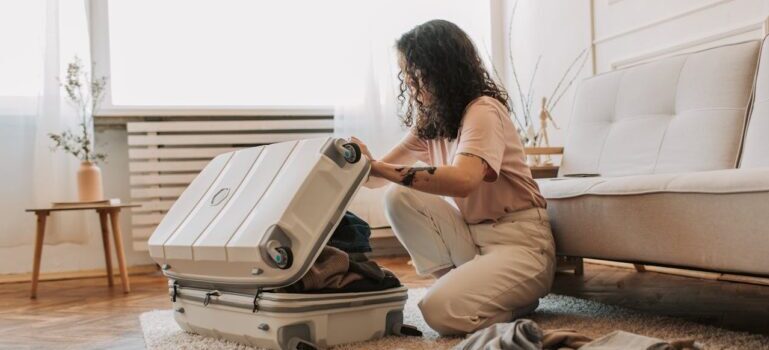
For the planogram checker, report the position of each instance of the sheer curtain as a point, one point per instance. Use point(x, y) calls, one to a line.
point(369, 108)
point(38, 38)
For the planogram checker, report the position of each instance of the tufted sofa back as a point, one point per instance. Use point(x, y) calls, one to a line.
point(677, 114)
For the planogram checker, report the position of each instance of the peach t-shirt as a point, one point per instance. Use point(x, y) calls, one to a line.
point(488, 132)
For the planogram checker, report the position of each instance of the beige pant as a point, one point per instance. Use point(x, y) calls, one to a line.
point(500, 267)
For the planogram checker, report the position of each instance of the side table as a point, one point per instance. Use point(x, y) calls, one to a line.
point(109, 215)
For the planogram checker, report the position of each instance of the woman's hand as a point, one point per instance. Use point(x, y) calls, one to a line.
point(459, 179)
point(363, 148)
point(396, 155)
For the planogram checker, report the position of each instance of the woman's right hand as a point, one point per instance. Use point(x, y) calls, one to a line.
point(363, 148)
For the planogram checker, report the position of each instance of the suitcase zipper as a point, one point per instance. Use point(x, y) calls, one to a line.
point(207, 299)
point(176, 291)
point(216, 293)
point(256, 300)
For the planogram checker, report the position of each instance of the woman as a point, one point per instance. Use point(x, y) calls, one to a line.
point(489, 243)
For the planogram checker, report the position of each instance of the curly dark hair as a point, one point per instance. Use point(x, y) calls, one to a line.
point(438, 57)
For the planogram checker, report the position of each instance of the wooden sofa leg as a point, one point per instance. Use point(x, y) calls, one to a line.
point(570, 263)
point(639, 267)
point(579, 266)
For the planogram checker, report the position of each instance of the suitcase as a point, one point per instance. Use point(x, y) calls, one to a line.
point(254, 220)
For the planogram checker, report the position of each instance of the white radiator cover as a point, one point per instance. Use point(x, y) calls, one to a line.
point(165, 156)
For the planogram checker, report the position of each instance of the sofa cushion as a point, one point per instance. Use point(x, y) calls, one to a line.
point(755, 150)
point(712, 182)
point(713, 220)
point(678, 114)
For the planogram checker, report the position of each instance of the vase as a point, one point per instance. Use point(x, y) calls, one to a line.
point(89, 186)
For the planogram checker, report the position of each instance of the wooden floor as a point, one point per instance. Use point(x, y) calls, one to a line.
point(85, 314)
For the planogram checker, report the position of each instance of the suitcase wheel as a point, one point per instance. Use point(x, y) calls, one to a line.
point(284, 258)
point(406, 330)
point(301, 344)
point(352, 152)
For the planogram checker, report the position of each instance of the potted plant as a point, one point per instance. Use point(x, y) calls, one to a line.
point(85, 94)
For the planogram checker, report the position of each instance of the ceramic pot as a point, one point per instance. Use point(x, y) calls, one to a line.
point(89, 187)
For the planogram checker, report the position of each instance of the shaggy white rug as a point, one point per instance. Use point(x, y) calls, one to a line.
point(555, 311)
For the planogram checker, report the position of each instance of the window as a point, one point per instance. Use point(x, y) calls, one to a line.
point(37, 39)
point(255, 54)
point(21, 38)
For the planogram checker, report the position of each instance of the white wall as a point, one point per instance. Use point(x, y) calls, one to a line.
point(73, 257)
point(558, 30)
point(633, 31)
point(627, 32)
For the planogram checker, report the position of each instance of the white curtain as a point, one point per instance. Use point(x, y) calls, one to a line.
point(369, 108)
point(38, 38)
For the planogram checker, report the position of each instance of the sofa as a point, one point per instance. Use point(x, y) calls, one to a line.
point(667, 163)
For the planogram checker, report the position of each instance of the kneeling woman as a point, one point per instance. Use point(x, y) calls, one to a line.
point(474, 217)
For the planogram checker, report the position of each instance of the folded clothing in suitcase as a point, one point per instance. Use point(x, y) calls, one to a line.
point(255, 220)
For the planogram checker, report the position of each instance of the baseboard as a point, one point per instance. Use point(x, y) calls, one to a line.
point(384, 243)
point(716, 276)
point(67, 275)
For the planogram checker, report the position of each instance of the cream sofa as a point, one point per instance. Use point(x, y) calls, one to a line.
point(682, 149)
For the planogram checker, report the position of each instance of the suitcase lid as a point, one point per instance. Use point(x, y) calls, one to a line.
point(259, 217)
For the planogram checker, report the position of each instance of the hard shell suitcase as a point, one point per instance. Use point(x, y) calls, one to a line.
point(254, 220)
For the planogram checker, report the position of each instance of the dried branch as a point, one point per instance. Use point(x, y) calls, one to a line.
point(565, 74)
point(512, 63)
point(530, 97)
point(571, 82)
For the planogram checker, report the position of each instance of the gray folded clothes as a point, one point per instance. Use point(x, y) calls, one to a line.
point(563, 339)
point(521, 334)
point(621, 340)
point(524, 334)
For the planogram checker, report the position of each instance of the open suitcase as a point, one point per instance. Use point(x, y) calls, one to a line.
point(255, 220)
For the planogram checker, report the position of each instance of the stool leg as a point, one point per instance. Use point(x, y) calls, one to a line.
point(114, 218)
point(104, 221)
point(41, 216)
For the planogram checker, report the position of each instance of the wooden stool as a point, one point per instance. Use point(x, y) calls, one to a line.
point(108, 214)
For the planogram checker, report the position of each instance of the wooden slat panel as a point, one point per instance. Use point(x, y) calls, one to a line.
point(178, 153)
point(143, 233)
point(173, 179)
point(141, 245)
point(152, 206)
point(146, 219)
point(217, 139)
point(173, 152)
point(231, 125)
point(153, 192)
point(192, 165)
